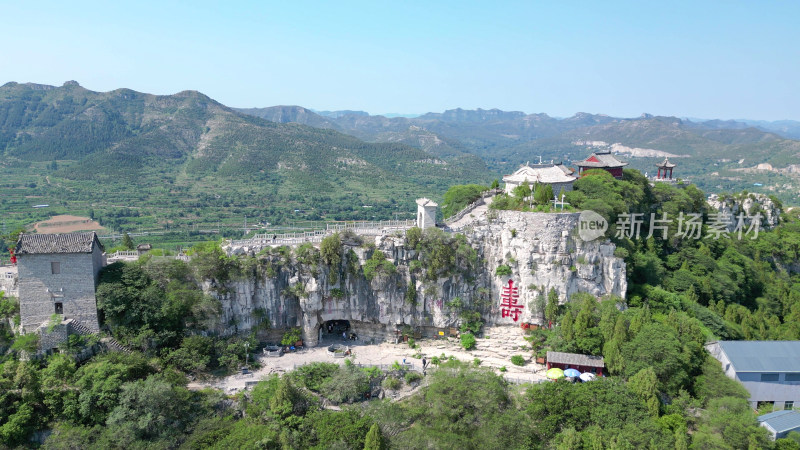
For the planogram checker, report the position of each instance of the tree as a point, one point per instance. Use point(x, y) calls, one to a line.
point(567, 331)
point(151, 409)
point(645, 385)
point(551, 310)
point(658, 347)
point(459, 196)
point(127, 242)
point(522, 191)
point(544, 194)
point(288, 403)
point(374, 439)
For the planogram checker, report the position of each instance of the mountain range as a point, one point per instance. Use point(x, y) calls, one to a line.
point(187, 149)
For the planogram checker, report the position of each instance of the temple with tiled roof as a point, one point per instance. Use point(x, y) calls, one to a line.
point(603, 160)
point(558, 176)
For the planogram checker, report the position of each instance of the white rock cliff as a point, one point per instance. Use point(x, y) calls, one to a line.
point(543, 251)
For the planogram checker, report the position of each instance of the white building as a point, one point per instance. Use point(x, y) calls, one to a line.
point(8, 280)
point(558, 176)
point(426, 213)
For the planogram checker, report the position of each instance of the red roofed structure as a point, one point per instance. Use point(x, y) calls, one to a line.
point(603, 160)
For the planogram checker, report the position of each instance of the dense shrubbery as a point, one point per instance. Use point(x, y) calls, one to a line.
point(441, 254)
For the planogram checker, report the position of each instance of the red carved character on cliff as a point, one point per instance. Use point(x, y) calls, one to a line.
point(509, 306)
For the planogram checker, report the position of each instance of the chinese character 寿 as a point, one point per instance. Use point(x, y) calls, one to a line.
point(509, 306)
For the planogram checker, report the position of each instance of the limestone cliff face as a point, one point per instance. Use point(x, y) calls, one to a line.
point(542, 250)
point(748, 205)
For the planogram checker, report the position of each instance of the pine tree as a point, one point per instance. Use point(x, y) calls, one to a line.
point(567, 331)
point(374, 439)
point(127, 242)
point(551, 310)
point(644, 385)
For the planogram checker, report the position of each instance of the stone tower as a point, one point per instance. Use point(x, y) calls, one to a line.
point(58, 274)
point(426, 213)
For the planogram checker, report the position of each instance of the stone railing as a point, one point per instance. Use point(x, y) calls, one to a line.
point(371, 227)
point(365, 228)
point(122, 255)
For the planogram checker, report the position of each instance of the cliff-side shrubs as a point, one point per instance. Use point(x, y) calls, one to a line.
point(411, 294)
point(518, 360)
point(441, 254)
point(378, 265)
point(331, 252)
point(503, 270)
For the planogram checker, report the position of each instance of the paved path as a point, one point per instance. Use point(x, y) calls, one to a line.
point(477, 214)
point(493, 352)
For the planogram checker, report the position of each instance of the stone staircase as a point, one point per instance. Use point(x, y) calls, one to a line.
point(503, 341)
point(79, 328)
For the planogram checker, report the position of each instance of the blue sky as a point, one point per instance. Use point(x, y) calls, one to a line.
point(724, 60)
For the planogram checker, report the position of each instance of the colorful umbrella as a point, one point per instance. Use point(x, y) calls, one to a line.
point(571, 373)
point(555, 373)
point(588, 376)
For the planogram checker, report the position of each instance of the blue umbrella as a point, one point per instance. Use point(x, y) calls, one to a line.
point(572, 373)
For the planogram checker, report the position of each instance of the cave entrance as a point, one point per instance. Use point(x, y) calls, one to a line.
point(335, 330)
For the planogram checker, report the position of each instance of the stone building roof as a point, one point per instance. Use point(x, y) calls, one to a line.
point(30, 244)
point(426, 202)
point(602, 160)
point(541, 173)
point(575, 359)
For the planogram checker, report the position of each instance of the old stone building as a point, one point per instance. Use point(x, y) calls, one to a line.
point(58, 274)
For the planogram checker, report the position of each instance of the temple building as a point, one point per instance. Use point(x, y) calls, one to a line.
point(603, 160)
point(558, 176)
point(664, 170)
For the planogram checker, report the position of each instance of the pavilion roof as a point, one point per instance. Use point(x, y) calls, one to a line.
point(665, 164)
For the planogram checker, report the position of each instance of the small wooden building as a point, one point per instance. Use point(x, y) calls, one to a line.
point(603, 160)
point(582, 363)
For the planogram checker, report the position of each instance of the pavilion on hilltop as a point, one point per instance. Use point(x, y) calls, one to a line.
point(665, 170)
point(603, 160)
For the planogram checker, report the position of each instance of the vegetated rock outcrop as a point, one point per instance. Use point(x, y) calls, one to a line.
point(748, 205)
point(428, 281)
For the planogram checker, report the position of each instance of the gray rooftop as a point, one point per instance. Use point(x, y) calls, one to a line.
point(781, 421)
point(575, 359)
point(31, 244)
point(763, 356)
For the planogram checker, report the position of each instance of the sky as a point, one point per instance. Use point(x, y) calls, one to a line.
point(710, 59)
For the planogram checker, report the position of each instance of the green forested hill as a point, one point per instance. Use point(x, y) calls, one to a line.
point(165, 155)
point(715, 151)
